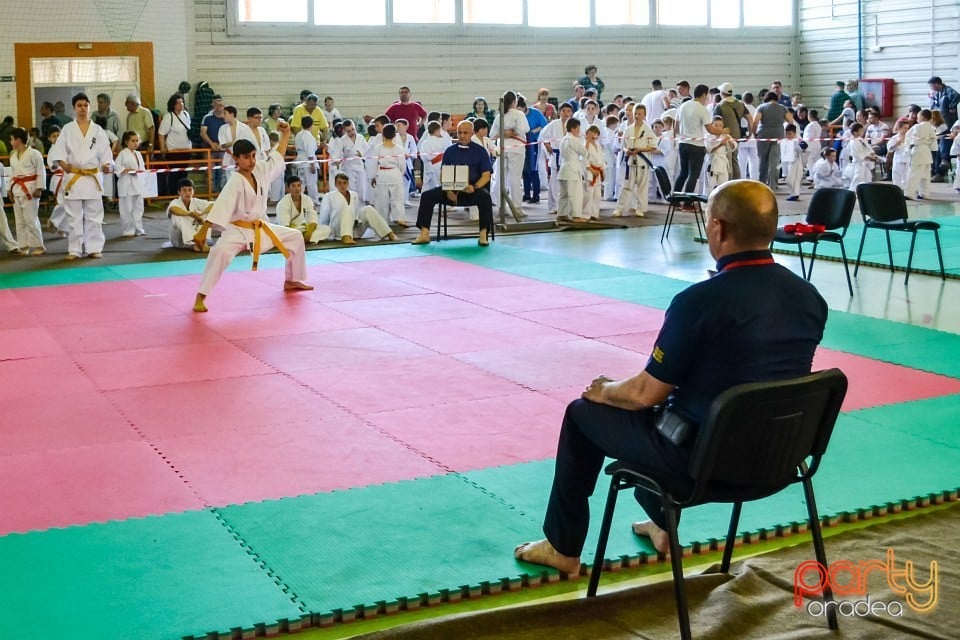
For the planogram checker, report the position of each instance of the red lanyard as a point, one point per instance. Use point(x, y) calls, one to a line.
point(736, 264)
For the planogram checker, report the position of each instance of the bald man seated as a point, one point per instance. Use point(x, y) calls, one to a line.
point(477, 159)
point(753, 321)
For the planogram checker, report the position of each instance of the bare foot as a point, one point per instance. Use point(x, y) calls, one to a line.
point(659, 538)
point(198, 304)
point(423, 238)
point(392, 236)
point(542, 552)
point(348, 240)
point(296, 285)
point(196, 248)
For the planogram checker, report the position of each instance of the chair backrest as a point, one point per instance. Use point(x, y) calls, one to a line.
point(663, 181)
point(757, 434)
point(882, 202)
point(831, 207)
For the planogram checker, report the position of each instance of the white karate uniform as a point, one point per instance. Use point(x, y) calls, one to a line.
point(718, 164)
point(811, 135)
point(747, 155)
point(955, 152)
point(862, 170)
point(307, 166)
point(388, 194)
point(571, 177)
point(635, 188)
point(346, 154)
point(827, 174)
point(552, 134)
point(9, 243)
point(791, 164)
point(83, 200)
point(276, 187)
point(130, 192)
point(183, 228)
point(351, 218)
point(512, 153)
point(26, 206)
point(410, 151)
point(592, 192)
point(667, 158)
point(289, 216)
point(901, 159)
point(59, 214)
point(610, 145)
point(431, 147)
point(261, 140)
point(239, 202)
point(922, 142)
point(227, 137)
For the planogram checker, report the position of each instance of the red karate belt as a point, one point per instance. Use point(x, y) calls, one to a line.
point(21, 181)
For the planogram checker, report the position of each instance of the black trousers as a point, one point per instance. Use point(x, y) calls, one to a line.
point(479, 199)
point(691, 162)
point(590, 433)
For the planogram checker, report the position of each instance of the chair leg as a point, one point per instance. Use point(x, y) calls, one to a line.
point(913, 242)
point(676, 563)
point(701, 221)
point(803, 268)
point(604, 534)
point(889, 250)
point(813, 258)
point(731, 537)
point(936, 238)
point(818, 549)
point(846, 268)
point(667, 222)
point(863, 237)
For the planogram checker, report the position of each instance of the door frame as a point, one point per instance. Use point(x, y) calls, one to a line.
point(24, 52)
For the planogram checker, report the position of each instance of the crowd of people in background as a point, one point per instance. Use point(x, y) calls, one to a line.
point(581, 151)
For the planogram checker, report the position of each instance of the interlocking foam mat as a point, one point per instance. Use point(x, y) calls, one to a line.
point(379, 444)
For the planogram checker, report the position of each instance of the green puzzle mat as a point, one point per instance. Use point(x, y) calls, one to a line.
point(338, 555)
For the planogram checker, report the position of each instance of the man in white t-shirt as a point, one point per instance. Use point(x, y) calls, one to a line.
point(695, 122)
point(656, 102)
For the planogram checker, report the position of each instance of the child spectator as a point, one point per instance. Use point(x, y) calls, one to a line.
point(432, 146)
point(826, 171)
point(922, 142)
point(572, 152)
point(27, 179)
point(296, 212)
point(387, 178)
point(864, 159)
point(307, 166)
point(593, 184)
point(791, 161)
point(186, 215)
point(129, 164)
point(719, 148)
point(897, 146)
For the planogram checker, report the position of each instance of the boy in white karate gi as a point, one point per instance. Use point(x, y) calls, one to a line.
point(921, 142)
point(791, 161)
point(344, 212)
point(897, 145)
point(862, 157)
point(307, 166)
point(550, 138)
point(240, 212)
point(511, 134)
point(346, 156)
point(596, 168)
point(637, 141)
point(610, 144)
point(387, 178)
point(826, 172)
point(129, 164)
point(572, 152)
point(28, 175)
point(296, 212)
point(432, 147)
point(83, 152)
point(186, 214)
point(718, 165)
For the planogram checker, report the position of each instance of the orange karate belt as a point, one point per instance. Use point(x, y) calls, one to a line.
point(56, 192)
point(21, 181)
point(78, 173)
point(597, 176)
point(259, 226)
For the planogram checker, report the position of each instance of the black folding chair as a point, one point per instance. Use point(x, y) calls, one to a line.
point(758, 439)
point(675, 200)
point(831, 209)
point(883, 206)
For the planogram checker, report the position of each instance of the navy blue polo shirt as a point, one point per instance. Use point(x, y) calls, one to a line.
point(753, 321)
point(473, 155)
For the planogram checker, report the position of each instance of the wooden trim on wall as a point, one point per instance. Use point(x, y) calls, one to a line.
point(23, 52)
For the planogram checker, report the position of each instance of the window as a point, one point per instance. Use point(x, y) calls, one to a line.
point(549, 13)
point(610, 12)
point(768, 13)
point(355, 12)
point(725, 14)
point(274, 11)
point(84, 71)
point(492, 12)
point(691, 13)
point(424, 11)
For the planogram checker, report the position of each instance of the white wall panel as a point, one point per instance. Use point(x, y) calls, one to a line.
point(163, 23)
point(907, 40)
point(447, 66)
